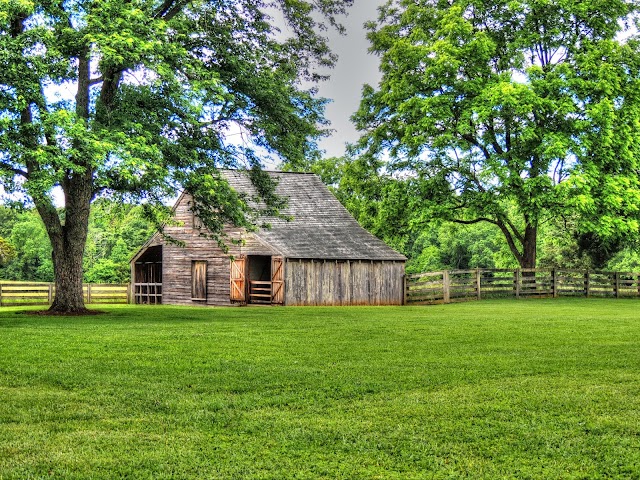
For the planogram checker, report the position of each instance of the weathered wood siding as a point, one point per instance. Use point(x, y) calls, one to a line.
point(177, 260)
point(349, 282)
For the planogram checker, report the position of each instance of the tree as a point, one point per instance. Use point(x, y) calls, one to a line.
point(509, 112)
point(158, 85)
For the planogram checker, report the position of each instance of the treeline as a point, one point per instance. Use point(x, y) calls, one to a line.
point(381, 204)
point(116, 231)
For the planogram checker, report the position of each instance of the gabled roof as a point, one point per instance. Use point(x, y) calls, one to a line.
point(321, 228)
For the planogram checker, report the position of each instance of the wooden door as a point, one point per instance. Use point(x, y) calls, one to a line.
point(199, 280)
point(277, 280)
point(238, 280)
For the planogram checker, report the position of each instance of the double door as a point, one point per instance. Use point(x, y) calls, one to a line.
point(257, 279)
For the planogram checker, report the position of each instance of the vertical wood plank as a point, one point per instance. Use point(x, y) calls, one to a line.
point(616, 284)
point(516, 281)
point(446, 293)
point(554, 283)
point(405, 291)
point(478, 283)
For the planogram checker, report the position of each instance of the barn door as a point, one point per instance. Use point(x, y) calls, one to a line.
point(198, 280)
point(277, 280)
point(238, 280)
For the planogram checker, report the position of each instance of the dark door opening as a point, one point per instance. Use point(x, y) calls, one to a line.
point(259, 278)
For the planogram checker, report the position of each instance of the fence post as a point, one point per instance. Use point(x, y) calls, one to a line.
point(1, 294)
point(478, 283)
point(88, 293)
point(616, 284)
point(554, 283)
point(586, 283)
point(446, 297)
point(516, 282)
point(50, 293)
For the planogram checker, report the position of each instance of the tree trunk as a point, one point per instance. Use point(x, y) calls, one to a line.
point(68, 240)
point(529, 247)
point(67, 265)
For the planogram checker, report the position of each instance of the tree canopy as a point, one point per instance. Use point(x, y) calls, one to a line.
point(141, 98)
point(509, 112)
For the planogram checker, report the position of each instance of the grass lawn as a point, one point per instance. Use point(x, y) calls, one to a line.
point(491, 389)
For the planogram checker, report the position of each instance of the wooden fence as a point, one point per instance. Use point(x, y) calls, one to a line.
point(21, 293)
point(462, 285)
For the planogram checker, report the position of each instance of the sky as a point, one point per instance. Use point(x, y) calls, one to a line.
point(355, 67)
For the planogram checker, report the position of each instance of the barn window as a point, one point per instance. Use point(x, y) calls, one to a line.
point(199, 280)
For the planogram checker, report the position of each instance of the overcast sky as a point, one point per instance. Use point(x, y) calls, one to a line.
point(355, 67)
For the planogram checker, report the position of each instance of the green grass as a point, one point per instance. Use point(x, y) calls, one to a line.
point(492, 389)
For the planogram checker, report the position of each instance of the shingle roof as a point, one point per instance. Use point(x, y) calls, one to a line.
point(321, 227)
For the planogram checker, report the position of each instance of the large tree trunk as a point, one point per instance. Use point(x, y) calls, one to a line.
point(67, 265)
point(68, 240)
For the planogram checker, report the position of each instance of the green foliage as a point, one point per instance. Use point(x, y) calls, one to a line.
point(32, 258)
point(485, 390)
point(7, 252)
point(490, 107)
point(116, 232)
point(446, 246)
point(627, 260)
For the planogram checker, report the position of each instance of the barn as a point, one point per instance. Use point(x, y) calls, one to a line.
point(319, 255)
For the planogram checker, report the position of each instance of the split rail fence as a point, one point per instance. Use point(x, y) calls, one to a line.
point(22, 294)
point(462, 285)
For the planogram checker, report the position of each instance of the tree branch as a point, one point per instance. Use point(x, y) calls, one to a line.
point(494, 139)
point(82, 95)
point(512, 246)
point(473, 141)
point(170, 8)
point(515, 231)
point(10, 168)
point(473, 222)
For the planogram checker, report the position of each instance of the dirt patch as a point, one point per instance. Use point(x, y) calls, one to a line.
point(47, 313)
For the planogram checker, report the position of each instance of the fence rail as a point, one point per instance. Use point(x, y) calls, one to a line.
point(462, 285)
point(13, 294)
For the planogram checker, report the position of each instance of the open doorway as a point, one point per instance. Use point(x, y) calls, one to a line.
point(259, 279)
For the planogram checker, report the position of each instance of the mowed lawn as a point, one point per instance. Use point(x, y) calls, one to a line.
point(491, 389)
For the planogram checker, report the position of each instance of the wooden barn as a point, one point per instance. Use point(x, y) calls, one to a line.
point(320, 256)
